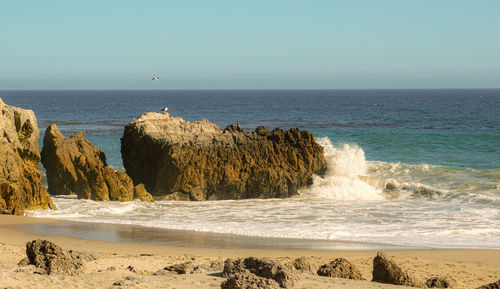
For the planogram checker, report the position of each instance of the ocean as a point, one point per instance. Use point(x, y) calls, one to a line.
point(405, 167)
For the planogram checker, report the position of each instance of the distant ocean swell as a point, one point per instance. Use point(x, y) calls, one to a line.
point(357, 200)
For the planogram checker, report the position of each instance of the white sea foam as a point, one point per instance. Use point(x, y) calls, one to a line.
point(357, 200)
point(346, 177)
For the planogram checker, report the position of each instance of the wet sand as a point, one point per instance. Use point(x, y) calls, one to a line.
point(148, 251)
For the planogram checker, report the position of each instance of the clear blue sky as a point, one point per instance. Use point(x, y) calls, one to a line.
point(249, 44)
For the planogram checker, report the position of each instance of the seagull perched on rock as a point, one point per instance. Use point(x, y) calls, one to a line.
point(164, 110)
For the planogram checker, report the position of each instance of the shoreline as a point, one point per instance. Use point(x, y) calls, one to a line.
point(129, 233)
point(470, 267)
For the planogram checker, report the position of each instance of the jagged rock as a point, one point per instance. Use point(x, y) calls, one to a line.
point(51, 259)
point(248, 281)
point(441, 282)
point(199, 160)
point(75, 166)
point(494, 285)
point(340, 268)
point(385, 270)
point(141, 193)
point(263, 268)
point(20, 186)
point(303, 264)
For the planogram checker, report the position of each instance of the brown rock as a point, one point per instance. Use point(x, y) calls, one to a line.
point(494, 285)
point(263, 268)
point(304, 264)
point(75, 166)
point(198, 159)
point(20, 186)
point(385, 270)
point(141, 193)
point(51, 259)
point(248, 281)
point(441, 282)
point(340, 268)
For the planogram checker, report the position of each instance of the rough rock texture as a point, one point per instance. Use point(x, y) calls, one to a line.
point(20, 186)
point(340, 268)
point(304, 264)
point(441, 282)
point(248, 281)
point(238, 271)
point(75, 166)
point(494, 285)
point(199, 161)
point(385, 270)
point(51, 259)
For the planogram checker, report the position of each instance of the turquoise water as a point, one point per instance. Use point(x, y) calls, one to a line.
point(402, 163)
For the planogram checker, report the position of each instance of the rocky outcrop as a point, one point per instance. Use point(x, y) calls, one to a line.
point(75, 166)
point(385, 270)
point(51, 259)
point(20, 186)
point(253, 272)
point(340, 268)
point(197, 160)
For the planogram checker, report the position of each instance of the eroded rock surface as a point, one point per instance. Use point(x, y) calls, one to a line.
point(494, 285)
point(385, 270)
point(20, 186)
point(197, 160)
point(441, 282)
point(340, 268)
point(254, 271)
point(51, 259)
point(75, 166)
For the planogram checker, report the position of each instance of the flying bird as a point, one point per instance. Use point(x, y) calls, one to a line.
point(165, 109)
point(155, 78)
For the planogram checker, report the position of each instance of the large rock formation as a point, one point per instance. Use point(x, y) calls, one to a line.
point(20, 186)
point(75, 166)
point(199, 161)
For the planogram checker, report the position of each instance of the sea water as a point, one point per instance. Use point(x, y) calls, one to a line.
point(405, 167)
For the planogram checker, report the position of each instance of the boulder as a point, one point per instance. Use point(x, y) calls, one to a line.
point(199, 161)
point(494, 285)
point(385, 270)
point(239, 270)
point(51, 259)
point(20, 179)
point(441, 282)
point(75, 166)
point(340, 268)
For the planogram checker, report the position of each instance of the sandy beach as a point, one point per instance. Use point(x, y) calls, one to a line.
point(132, 265)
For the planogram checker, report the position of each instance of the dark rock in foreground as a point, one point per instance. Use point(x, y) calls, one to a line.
point(20, 186)
point(51, 259)
point(75, 166)
point(494, 285)
point(199, 161)
point(253, 272)
point(340, 268)
point(385, 270)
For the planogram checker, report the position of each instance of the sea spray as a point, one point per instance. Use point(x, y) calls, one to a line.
point(346, 177)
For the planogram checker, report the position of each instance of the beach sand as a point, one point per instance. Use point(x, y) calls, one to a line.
point(131, 265)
